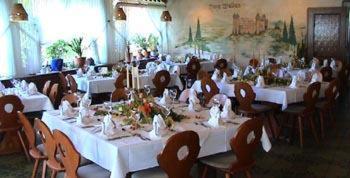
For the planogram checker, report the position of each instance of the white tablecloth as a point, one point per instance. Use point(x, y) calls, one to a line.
point(278, 95)
point(33, 103)
point(205, 65)
point(132, 153)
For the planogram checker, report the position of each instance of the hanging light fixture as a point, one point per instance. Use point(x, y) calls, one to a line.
point(119, 13)
point(18, 13)
point(166, 17)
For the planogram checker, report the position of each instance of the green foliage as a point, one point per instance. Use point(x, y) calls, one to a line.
point(190, 38)
point(285, 33)
point(57, 49)
point(292, 37)
point(76, 46)
point(150, 42)
point(199, 32)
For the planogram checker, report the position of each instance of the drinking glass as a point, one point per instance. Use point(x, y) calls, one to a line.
point(147, 89)
point(173, 94)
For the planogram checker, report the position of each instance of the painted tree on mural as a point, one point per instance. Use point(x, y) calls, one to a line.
point(190, 38)
point(292, 37)
point(285, 33)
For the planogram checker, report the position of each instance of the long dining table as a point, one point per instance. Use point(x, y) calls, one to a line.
point(135, 150)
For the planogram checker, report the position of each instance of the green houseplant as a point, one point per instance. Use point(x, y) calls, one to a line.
point(56, 51)
point(76, 47)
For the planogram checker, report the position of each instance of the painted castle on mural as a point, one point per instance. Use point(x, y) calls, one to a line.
point(251, 26)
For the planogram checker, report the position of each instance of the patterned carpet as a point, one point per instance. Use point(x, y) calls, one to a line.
point(329, 159)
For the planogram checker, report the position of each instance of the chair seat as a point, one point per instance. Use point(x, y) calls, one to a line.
point(221, 160)
point(156, 172)
point(261, 107)
point(295, 109)
point(89, 171)
point(321, 104)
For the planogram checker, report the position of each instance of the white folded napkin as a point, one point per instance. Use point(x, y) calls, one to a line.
point(2, 86)
point(32, 89)
point(314, 65)
point(214, 119)
point(295, 82)
point(91, 72)
point(84, 116)
point(290, 66)
point(248, 70)
point(301, 75)
point(224, 78)
point(108, 126)
point(279, 60)
point(165, 100)
point(168, 59)
point(194, 103)
point(151, 67)
point(215, 75)
point(187, 60)
point(175, 70)
point(66, 109)
point(316, 77)
point(159, 127)
point(227, 112)
point(85, 101)
point(80, 72)
point(24, 85)
point(260, 82)
point(325, 63)
point(333, 65)
point(104, 70)
point(161, 66)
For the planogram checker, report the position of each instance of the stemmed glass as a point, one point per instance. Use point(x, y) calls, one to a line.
point(78, 97)
point(147, 89)
point(173, 94)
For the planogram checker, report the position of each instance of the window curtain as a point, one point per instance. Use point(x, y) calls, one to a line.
point(10, 53)
point(52, 20)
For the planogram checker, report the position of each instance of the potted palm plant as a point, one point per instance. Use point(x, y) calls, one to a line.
point(56, 51)
point(76, 47)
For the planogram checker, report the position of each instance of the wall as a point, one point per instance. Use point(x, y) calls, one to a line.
point(241, 29)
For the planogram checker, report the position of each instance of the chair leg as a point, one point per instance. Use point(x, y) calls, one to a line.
point(23, 145)
point(293, 131)
point(247, 173)
point(269, 120)
point(43, 173)
point(301, 134)
point(35, 168)
point(332, 118)
point(322, 123)
point(312, 124)
point(204, 175)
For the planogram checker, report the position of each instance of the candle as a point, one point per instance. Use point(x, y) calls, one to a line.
point(127, 77)
point(138, 78)
point(134, 76)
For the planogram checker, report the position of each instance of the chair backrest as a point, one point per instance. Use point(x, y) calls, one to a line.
point(254, 63)
point(245, 143)
point(119, 82)
point(63, 82)
point(71, 98)
point(213, 89)
point(202, 74)
point(193, 67)
point(28, 130)
point(245, 96)
point(169, 160)
point(49, 144)
point(118, 94)
point(161, 80)
point(311, 97)
point(332, 92)
point(46, 88)
point(9, 105)
point(54, 94)
point(69, 156)
point(73, 86)
point(221, 64)
point(326, 73)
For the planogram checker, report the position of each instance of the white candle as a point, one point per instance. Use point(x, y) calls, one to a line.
point(138, 78)
point(127, 77)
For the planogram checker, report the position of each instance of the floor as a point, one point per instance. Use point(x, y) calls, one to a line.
point(329, 159)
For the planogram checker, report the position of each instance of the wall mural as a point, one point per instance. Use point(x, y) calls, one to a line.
point(241, 29)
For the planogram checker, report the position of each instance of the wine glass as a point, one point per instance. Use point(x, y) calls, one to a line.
point(78, 97)
point(216, 102)
point(147, 89)
point(173, 94)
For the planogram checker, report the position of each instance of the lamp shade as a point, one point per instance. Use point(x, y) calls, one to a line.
point(18, 13)
point(120, 14)
point(166, 17)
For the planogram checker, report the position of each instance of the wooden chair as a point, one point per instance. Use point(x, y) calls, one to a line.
point(63, 82)
point(212, 91)
point(241, 158)
point(245, 97)
point(70, 159)
point(10, 126)
point(171, 165)
point(118, 94)
point(193, 68)
point(73, 86)
point(71, 98)
point(46, 88)
point(326, 74)
point(254, 63)
point(161, 80)
point(54, 94)
point(343, 77)
point(35, 151)
point(202, 74)
point(50, 147)
point(119, 82)
point(305, 111)
point(221, 64)
point(326, 107)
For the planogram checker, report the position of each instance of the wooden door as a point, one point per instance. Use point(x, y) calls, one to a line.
point(327, 29)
